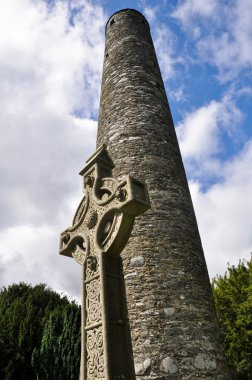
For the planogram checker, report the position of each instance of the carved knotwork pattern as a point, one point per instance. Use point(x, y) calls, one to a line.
point(79, 255)
point(109, 184)
point(93, 302)
point(95, 353)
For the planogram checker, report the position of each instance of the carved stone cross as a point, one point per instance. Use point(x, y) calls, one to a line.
point(101, 228)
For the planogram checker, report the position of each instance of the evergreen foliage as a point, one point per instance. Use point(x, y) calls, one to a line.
point(61, 340)
point(233, 299)
point(32, 319)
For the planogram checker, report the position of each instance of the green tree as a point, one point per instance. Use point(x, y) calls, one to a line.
point(61, 341)
point(233, 299)
point(24, 312)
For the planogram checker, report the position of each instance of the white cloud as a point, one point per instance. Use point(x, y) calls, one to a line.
point(50, 70)
point(224, 214)
point(30, 254)
point(189, 9)
point(178, 94)
point(221, 188)
point(165, 47)
point(39, 166)
point(200, 132)
point(163, 41)
point(150, 13)
point(163, 38)
point(223, 33)
point(44, 53)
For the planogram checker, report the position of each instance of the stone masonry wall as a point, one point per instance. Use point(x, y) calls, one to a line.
point(172, 318)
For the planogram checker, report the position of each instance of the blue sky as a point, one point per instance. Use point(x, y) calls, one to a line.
point(51, 56)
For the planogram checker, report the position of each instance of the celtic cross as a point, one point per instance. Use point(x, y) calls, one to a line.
point(101, 227)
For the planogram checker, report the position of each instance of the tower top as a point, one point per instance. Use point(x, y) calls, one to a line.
point(126, 10)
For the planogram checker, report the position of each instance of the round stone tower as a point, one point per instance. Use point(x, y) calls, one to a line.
point(171, 312)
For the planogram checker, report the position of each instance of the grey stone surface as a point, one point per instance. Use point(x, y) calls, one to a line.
point(137, 261)
point(169, 310)
point(168, 365)
point(204, 362)
point(136, 124)
point(101, 227)
point(142, 367)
